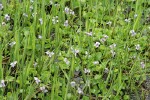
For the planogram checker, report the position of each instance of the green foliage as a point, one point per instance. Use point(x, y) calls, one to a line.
point(74, 49)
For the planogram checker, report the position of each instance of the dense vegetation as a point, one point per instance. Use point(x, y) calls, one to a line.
point(74, 49)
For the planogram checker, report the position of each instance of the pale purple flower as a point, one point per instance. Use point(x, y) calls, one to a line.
point(142, 64)
point(97, 44)
point(13, 64)
point(105, 36)
point(89, 33)
point(137, 47)
point(7, 17)
point(41, 21)
point(135, 16)
point(76, 51)
point(112, 46)
point(112, 49)
point(43, 89)
point(35, 64)
point(55, 20)
point(102, 40)
point(86, 52)
point(66, 23)
point(31, 8)
point(109, 23)
point(1, 6)
point(3, 23)
point(71, 12)
point(37, 80)
point(40, 36)
point(86, 70)
point(106, 70)
point(133, 57)
point(96, 62)
point(51, 2)
point(133, 33)
point(12, 43)
point(67, 10)
point(113, 53)
point(80, 90)
point(24, 14)
point(47, 52)
point(34, 14)
point(50, 54)
point(2, 84)
point(127, 20)
point(73, 84)
point(66, 61)
point(57, 5)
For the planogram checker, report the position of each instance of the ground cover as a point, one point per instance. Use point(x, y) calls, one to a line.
point(74, 49)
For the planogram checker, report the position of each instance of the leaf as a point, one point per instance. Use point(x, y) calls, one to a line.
point(85, 98)
point(97, 77)
point(98, 55)
point(116, 70)
point(9, 78)
point(126, 97)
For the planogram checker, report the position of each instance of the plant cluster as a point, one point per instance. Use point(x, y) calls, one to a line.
point(74, 49)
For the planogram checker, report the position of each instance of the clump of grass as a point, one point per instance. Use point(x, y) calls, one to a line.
point(74, 49)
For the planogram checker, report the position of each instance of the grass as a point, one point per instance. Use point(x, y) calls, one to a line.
point(101, 53)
